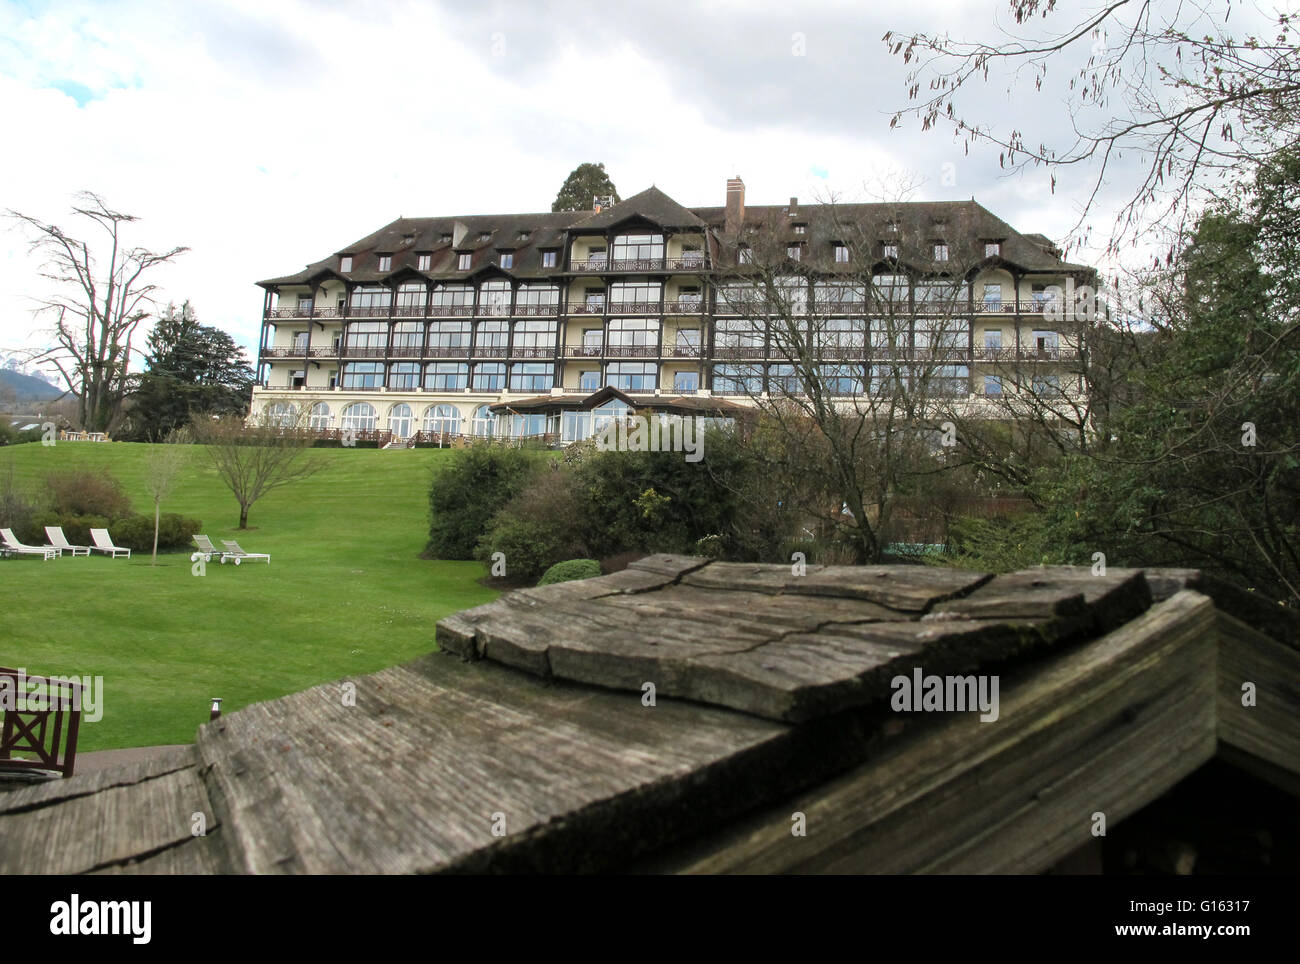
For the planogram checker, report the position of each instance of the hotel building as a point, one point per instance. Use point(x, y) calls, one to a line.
point(547, 324)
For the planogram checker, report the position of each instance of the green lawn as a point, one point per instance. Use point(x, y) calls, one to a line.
point(345, 593)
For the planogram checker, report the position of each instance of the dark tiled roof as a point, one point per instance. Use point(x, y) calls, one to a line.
point(964, 225)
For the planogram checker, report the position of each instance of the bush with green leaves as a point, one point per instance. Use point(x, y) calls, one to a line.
point(175, 532)
point(569, 571)
point(472, 486)
point(542, 524)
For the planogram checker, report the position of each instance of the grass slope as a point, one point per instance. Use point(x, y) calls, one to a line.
point(345, 593)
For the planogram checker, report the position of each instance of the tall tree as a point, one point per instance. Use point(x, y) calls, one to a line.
point(1171, 84)
point(97, 304)
point(586, 181)
point(193, 370)
point(256, 456)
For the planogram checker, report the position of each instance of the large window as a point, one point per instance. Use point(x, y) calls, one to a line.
point(890, 288)
point(442, 420)
point(535, 339)
point(950, 380)
point(489, 377)
point(628, 333)
point(283, 414)
point(363, 375)
point(737, 380)
point(840, 337)
point(400, 420)
point(369, 299)
point(411, 297)
point(491, 338)
point(638, 247)
point(531, 377)
point(484, 421)
point(686, 381)
point(739, 335)
point(633, 376)
point(408, 335)
point(841, 379)
point(359, 417)
point(494, 297)
point(453, 296)
point(740, 298)
point(840, 295)
point(588, 381)
point(319, 418)
point(636, 292)
point(950, 294)
point(784, 380)
point(449, 337)
point(446, 376)
point(366, 335)
point(404, 376)
point(1048, 385)
point(942, 333)
point(792, 295)
point(537, 295)
point(1046, 341)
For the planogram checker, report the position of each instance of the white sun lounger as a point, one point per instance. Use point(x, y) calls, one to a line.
point(206, 550)
point(234, 552)
point(59, 541)
point(13, 545)
point(104, 543)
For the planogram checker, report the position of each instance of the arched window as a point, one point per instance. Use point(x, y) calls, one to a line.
point(442, 419)
point(281, 413)
point(399, 420)
point(320, 416)
point(484, 421)
point(359, 416)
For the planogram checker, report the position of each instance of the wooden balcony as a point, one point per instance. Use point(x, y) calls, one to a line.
point(587, 308)
point(450, 311)
point(645, 308)
point(532, 352)
point(411, 311)
point(533, 310)
point(686, 264)
point(683, 306)
point(368, 311)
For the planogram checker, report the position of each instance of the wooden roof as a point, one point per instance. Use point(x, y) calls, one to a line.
point(772, 696)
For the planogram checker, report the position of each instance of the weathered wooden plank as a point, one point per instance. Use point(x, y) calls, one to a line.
point(83, 784)
point(909, 589)
point(1074, 600)
point(666, 564)
point(1103, 727)
point(105, 829)
point(1269, 730)
point(197, 855)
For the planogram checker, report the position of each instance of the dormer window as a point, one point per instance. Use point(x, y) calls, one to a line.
point(889, 250)
point(385, 262)
point(940, 251)
point(892, 227)
point(992, 249)
point(444, 239)
point(549, 259)
point(841, 253)
point(485, 236)
point(800, 229)
point(745, 255)
point(522, 236)
point(423, 262)
point(506, 259)
point(794, 251)
point(345, 263)
point(463, 260)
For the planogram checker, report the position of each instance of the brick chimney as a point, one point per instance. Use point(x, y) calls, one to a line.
point(735, 205)
point(794, 207)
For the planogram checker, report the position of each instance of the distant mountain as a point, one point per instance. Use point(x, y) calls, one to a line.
point(26, 387)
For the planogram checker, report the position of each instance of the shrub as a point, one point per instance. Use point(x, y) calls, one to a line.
point(75, 527)
point(570, 570)
point(17, 508)
point(541, 525)
point(474, 485)
point(86, 492)
point(136, 532)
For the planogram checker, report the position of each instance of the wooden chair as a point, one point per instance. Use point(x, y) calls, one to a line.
point(49, 734)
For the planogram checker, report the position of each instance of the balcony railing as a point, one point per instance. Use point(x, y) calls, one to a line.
point(686, 264)
point(683, 306)
point(631, 351)
point(741, 351)
point(406, 351)
point(410, 311)
point(590, 264)
point(552, 309)
point(353, 351)
point(489, 351)
point(683, 351)
point(451, 311)
point(331, 352)
point(587, 308)
point(532, 352)
point(637, 264)
point(582, 351)
point(288, 312)
point(493, 310)
point(634, 307)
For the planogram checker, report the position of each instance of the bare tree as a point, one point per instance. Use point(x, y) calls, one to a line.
point(163, 468)
point(1166, 83)
point(97, 304)
point(850, 357)
point(254, 457)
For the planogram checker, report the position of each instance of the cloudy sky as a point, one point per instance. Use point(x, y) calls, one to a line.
point(265, 134)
